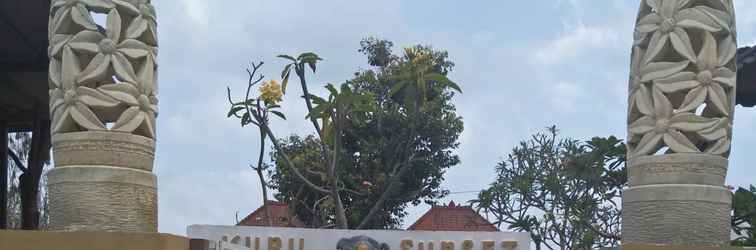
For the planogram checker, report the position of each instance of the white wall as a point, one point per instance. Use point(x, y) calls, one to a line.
point(323, 239)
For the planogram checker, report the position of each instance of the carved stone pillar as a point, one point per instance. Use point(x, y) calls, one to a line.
point(682, 97)
point(103, 106)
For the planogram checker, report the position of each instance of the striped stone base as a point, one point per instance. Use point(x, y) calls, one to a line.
point(102, 198)
point(677, 199)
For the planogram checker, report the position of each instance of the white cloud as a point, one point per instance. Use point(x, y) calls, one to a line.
point(745, 13)
point(564, 96)
point(196, 10)
point(576, 40)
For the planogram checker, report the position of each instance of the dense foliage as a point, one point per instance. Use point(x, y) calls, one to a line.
point(562, 191)
point(744, 216)
point(394, 156)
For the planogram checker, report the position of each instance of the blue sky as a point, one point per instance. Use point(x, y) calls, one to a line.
point(523, 65)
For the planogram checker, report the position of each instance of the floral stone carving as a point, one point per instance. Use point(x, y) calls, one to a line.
point(682, 82)
point(680, 112)
point(103, 105)
point(101, 75)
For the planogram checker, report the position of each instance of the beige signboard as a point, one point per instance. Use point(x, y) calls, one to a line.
point(275, 238)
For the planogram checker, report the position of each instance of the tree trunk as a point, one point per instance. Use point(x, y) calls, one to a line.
point(29, 181)
point(263, 183)
point(341, 221)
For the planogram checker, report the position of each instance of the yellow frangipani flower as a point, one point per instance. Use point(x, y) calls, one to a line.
point(270, 92)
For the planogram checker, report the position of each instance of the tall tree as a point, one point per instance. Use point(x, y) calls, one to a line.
point(397, 155)
point(27, 202)
point(562, 191)
point(744, 216)
point(374, 151)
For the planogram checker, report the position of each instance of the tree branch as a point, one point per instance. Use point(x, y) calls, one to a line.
point(341, 220)
point(288, 163)
point(17, 161)
point(263, 183)
point(384, 196)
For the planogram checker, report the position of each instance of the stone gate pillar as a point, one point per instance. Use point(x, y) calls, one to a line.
point(103, 106)
point(682, 97)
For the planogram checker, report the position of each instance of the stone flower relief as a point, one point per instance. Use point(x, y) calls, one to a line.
point(67, 13)
point(711, 79)
point(682, 78)
point(69, 102)
point(143, 25)
point(667, 126)
point(103, 78)
point(668, 22)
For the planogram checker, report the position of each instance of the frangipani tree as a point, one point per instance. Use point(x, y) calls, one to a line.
point(328, 116)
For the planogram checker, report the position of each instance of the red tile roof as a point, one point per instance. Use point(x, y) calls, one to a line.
point(279, 211)
point(452, 218)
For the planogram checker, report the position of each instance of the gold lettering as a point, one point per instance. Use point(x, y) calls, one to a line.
point(509, 245)
point(274, 243)
point(447, 245)
point(489, 245)
point(467, 245)
point(406, 244)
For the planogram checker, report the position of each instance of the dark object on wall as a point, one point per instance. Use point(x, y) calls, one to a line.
point(746, 89)
point(361, 243)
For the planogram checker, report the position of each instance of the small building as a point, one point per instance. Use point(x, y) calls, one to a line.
point(452, 218)
point(279, 212)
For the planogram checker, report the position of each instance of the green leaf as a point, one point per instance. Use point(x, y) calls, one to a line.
point(423, 87)
point(285, 76)
point(308, 57)
point(443, 80)
point(234, 110)
point(272, 106)
point(312, 66)
point(288, 57)
point(317, 100)
point(397, 87)
point(332, 89)
point(317, 111)
point(346, 91)
point(245, 119)
point(279, 114)
point(409, 98)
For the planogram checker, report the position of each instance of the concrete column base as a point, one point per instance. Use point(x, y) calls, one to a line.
point(102, 198)
point(41, 240)
point(677, 199)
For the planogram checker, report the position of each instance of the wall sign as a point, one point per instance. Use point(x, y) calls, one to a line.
point(274, 238)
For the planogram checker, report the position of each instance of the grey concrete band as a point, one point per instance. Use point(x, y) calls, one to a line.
point(104, 148)
point(677, 169)
point(104, 174)
point(677, 192)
